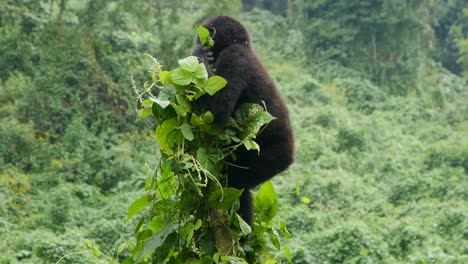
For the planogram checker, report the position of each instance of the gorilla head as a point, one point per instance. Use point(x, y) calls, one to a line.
point(226, 31)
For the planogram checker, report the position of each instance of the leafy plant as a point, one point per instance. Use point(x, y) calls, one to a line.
point(204, 36)
point(191, 213)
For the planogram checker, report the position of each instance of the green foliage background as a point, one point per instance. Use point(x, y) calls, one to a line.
point(377, 92)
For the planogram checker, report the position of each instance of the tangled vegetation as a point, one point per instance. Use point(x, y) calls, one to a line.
point(380, 122)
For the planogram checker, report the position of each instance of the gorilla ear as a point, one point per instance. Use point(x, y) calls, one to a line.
point(212, 32)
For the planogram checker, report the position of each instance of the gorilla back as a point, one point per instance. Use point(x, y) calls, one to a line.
point(247, 82)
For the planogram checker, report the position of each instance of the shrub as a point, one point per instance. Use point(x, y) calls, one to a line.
point(350, 139)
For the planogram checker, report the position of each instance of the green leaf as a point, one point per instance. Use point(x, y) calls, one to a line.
point(305, 200)
point(198, 224)
point(201, 73)
point(139, 225)
point(156, 240)
point(210, 43)
point(187, 131)
point(275, 240)
point(128, 260)
point(250, 118)
point(266, 202)
point(145, 112)
point(89, 243)
point(224, 199)
point(287, 253)
point(121, 248)
point(200, 83)
point(147, 103)
point(208, 117)
point(250, 144)
point(189, 64)
point(199, 94)
point(233, 260)
point(283, 230)
point(182, 101)
point(204, 159)
point(166, 181)
point(204, 36)
point(214, 84)
point(164, 77)
point(195, 120)
point(188, 230)
point(156, 223)
point(202, 156)
point(181, 77)
point(162, 103)
point(244, 227)
point(166, 250)
point(180, 110)
point(162, 135)
point(138, 205)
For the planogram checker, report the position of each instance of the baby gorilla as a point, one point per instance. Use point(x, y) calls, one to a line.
point(247, 82)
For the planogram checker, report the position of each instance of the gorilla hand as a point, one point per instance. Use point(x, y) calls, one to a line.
point(203, 53)
point(205, 56)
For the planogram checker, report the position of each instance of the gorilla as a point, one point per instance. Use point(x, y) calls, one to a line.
point(233, 59)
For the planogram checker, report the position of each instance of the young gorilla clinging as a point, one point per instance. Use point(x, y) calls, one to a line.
point(247, 82)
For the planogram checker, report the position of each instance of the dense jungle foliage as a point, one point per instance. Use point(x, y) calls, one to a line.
point(377, 92)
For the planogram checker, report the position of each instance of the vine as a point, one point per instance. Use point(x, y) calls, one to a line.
point(188, 214)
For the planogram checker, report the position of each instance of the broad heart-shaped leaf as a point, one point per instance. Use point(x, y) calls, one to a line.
point(201, 73)
point(161, 102)
point(162, 134)
point(189, 64)
point(202, 157)
point(214, 84)
point(266, 202)
point(187, 131)
point(166, 182)
point(224, 200)
point(250, 118)
point(164, 77)
point(156, 240)
point(181, 77)
point(138, 205)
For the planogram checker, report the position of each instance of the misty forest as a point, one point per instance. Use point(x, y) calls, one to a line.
point(105, 156)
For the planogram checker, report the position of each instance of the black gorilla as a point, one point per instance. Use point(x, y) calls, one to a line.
point(247, 82)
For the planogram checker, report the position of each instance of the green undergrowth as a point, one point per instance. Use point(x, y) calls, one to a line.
point(380, 173)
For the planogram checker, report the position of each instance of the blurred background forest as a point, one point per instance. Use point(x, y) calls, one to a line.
point(377, 91)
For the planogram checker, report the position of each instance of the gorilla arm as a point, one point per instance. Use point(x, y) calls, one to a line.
point(223, 104)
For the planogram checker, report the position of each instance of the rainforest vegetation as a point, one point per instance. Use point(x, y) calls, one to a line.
point(377, 92)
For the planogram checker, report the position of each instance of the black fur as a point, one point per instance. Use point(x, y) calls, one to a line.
point(247, 82)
